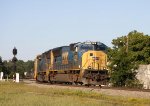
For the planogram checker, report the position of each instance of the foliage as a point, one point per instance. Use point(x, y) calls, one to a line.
point(1, 64)
point(127, 53)
point(8, 67)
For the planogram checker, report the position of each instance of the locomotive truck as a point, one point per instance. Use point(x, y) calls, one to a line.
point(79, 63)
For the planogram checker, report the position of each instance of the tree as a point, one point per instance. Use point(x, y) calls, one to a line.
point(8, 67)
point(127, 53)
point(139, 46)
point(29, 65)
point(4, 67)
point(1, 64)
point(24, 66)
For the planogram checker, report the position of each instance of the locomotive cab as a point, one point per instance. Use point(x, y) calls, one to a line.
point(93, 61)
point(94, 68)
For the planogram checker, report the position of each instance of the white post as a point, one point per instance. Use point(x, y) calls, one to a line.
point(1, 76)
point(17, 77)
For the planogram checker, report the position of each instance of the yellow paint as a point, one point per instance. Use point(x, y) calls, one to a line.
point(35, 68)
point(52, 60)
point(65, 58)
point(36, 61)
point(97, 61)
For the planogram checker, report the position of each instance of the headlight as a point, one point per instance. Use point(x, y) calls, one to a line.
point(89, 67)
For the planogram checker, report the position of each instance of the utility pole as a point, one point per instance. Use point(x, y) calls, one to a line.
point(127, 44)
point(14, 60)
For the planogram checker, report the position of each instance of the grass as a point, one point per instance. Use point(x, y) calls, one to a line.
point(13, 94)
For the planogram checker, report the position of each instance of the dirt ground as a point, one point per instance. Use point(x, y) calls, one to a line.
point(108, 91)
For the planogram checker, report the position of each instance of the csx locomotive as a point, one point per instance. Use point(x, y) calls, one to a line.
point(79, 63)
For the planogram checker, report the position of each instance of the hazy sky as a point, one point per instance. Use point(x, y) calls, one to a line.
point(35, 26)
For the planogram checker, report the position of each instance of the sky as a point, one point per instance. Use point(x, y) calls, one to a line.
point(35, 26)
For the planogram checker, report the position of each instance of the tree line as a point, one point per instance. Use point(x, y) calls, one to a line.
point(8, 67)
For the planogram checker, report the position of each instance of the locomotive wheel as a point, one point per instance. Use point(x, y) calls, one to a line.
point(69, 83)
point(81, 83)
point(87, 85)
point(49, 80)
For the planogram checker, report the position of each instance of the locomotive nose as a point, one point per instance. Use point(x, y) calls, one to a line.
point(95, 60)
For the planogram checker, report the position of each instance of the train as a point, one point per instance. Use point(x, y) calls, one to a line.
point(82, 63)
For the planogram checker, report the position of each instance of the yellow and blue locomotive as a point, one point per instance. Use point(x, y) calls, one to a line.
point(83, 63)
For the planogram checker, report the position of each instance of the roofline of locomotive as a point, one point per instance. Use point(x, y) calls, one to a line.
point(73, 44)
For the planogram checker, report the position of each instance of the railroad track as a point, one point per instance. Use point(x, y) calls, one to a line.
point(89, 87)
point(112, 91)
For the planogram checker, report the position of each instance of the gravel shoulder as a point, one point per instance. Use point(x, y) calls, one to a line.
point(112, 92)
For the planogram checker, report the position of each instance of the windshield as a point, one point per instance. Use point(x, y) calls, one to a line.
point(100, 46)
point(86, 47)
